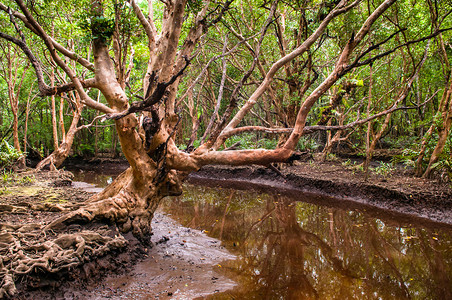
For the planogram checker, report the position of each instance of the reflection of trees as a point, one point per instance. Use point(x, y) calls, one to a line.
point(441, 281)
point(283, 268)
point(295, 250)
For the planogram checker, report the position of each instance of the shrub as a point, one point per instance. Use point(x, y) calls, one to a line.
point(8, 155)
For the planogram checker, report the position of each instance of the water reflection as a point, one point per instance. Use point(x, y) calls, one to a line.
point(295, 250)
point(93, 177)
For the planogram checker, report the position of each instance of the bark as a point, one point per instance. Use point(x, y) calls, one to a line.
point(444, 111)
point(61, 151)
point(11, 68)
point(54, 118)
point(369, 125)
point(27, 112)
point(130, 201)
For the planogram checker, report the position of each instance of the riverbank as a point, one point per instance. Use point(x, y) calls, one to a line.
point(32, 200)
point(339, 185)
point(95, 261)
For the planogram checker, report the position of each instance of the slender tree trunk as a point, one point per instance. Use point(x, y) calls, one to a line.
point(27, 112)
point(61, 113)
point(62, 151)
point(369, 132)
point(54, 118)
point(443, 135)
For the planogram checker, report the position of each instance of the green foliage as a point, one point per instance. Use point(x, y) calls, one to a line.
point(100, 27)
point(250, 141)
point(408, 158)
point(246, 141)
point(6, 177)
point(307, 143)
point(26, 180)
point(357, 82)
point(445, 166)
point(8, 155)
point(384, 169)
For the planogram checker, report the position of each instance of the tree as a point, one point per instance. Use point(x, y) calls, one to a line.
point(14, 75)
point(175, 31)
point(157, 166)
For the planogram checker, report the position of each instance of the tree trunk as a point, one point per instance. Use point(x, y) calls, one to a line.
point(442, 139)
point(61, 152)
point(54, 118)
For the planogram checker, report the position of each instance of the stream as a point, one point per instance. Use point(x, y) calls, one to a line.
point(272, 246)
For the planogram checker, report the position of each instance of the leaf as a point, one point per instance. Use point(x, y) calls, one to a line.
point(357, 82)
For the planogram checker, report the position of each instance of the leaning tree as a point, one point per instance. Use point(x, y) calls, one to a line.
point(147, 127)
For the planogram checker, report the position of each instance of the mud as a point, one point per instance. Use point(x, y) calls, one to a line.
point(333, 184)
point(179, 263)
point(183, 262)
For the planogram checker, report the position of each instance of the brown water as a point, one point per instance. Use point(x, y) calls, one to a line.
point(289, 249)
point(295, 250)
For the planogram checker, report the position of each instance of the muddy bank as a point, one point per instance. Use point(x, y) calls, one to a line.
point(182, 264)
point(37, 263)
point(96, 261)
point(335, 185)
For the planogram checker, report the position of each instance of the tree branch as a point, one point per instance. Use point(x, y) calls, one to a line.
point(358, 63)
point(150, 100)
point(150, 30)
point(71, 74)
point(70, 54)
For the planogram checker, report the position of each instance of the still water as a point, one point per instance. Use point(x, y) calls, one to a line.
point(288, 249)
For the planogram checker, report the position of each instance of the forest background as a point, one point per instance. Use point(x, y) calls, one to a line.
point(401, 69)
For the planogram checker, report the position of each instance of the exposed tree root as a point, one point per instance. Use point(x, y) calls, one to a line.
point(33, 251)
point(28, 249)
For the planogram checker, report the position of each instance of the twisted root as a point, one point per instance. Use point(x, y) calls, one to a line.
point(28, 249)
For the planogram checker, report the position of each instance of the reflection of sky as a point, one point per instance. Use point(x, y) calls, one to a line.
point(98, 180)
point(302, 251)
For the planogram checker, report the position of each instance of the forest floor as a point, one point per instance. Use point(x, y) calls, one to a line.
point(179, 264)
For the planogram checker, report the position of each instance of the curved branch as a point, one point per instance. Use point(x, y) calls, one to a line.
point(338, 10)
point(75, 80)
point(152, 99)
point(148, 28)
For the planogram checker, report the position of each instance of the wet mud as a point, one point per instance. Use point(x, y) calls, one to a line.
point(182, 264)
point(185, 263)
point(400, 195)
